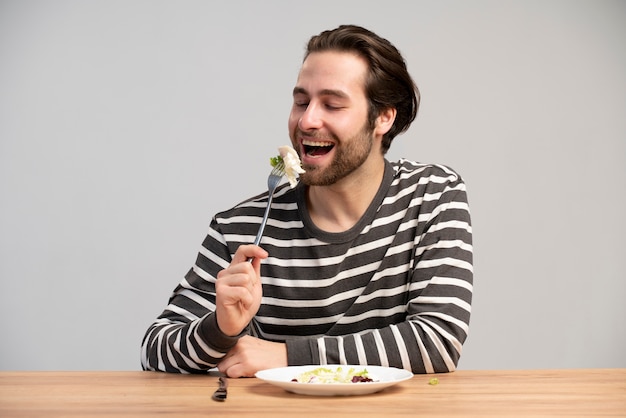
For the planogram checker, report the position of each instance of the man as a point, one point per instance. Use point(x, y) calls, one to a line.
point(363, 262)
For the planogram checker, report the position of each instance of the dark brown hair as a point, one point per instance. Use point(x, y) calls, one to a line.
point(388, 84)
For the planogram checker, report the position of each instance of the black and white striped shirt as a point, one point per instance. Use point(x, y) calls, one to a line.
point(394, 290)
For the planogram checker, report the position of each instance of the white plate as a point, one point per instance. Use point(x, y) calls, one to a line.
point(384, 377)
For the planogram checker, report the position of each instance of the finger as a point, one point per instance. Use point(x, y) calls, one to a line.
point(244, 252)
point(238, 298)
point(228, 281)
point(225, 364)
point(238, 370)
point(235, 275)
point(256, 265)
point(236, 367)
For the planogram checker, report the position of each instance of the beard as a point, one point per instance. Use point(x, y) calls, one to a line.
point(350, 154)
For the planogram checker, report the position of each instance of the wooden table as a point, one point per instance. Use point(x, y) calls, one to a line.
point(550, 393)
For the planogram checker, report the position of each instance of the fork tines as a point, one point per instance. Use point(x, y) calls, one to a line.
point(279, 168)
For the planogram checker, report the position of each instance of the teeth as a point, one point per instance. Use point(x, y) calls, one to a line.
point(316, 143)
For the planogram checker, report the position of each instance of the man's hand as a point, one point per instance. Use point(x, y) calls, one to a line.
point(252, 354)
point(238, 290)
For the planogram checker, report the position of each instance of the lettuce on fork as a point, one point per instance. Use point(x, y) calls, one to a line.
point(293, 166)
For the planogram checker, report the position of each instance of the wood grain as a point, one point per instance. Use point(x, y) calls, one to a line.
point(549, 393)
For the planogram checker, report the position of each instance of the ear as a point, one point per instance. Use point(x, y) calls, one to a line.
point(385, 120)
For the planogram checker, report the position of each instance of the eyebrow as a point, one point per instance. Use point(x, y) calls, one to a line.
point(326, 92)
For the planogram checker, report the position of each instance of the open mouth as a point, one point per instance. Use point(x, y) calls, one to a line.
point(316, 148)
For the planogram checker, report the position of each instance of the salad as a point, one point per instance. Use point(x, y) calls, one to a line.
point(292, 165)
point(336, 375)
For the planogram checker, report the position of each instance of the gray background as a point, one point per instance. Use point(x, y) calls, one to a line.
point(125, 125)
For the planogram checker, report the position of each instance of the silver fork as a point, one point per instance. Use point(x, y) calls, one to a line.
point(272, 182)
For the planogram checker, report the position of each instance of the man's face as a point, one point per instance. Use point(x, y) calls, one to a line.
point(328, 122)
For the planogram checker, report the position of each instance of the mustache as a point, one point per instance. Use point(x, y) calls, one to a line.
point(317, 135)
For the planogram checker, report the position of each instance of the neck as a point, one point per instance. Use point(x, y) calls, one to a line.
point(338, 207)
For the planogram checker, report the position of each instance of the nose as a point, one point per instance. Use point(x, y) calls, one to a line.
point(310, 118)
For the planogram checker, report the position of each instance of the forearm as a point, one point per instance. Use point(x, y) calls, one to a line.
point(185, 338)
point(419, 346)
point(184, 347)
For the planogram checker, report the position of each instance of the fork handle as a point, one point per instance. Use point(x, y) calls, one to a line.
point(259, 234)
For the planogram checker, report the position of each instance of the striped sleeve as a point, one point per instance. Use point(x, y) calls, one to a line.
point(177, 341)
